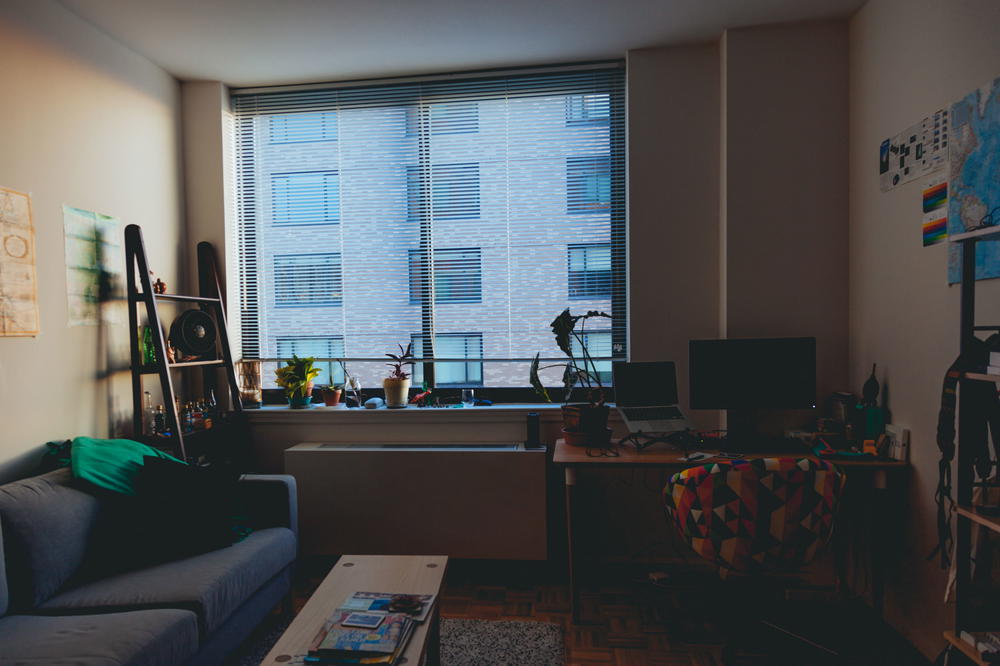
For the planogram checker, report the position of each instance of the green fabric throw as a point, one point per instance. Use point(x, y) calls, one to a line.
point(111, 463)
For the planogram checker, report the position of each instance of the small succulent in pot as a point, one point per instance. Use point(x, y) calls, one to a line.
point(331, 394)
point(397, 384)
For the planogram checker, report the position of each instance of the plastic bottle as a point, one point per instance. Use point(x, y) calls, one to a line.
point(148, 416)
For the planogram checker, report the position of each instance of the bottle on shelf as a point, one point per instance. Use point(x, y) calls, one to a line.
point(160, 422)
point(148, 415)
point(197, 416)
point(148, 349)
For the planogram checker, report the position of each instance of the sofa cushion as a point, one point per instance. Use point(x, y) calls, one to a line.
point(47, 524)
point(140, 638)
point(213, 585)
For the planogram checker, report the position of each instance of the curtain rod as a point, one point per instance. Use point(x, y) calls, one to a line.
point(423, 78)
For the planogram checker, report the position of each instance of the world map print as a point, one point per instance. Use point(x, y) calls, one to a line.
point(974, 196)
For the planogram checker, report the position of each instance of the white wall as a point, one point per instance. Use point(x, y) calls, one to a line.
point(86, 122)
point(909, 58)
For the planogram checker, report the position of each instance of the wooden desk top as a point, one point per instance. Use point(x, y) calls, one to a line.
point(403, 574)
point(667, 456)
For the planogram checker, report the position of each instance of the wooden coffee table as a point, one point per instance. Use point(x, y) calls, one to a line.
point(402, 574)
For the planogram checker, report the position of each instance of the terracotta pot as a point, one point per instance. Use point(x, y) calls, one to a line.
point(331, 397)
point(396, 391)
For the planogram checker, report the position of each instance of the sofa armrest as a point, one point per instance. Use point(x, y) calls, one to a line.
point(271, 500)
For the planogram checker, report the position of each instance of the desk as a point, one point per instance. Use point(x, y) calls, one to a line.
point(572, 458)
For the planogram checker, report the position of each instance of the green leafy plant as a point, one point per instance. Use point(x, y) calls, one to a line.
point(296, 376)
point(404, 357)
point(580, 371)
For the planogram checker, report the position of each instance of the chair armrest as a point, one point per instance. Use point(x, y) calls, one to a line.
point(271, 500)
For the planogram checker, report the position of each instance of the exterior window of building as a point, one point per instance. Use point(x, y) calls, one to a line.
point(455, 191)
point(307, 280)
point(588, 184)
point(331, 372)
point(305, 198)
point(451, 345)
point(589, 270)
point(455, 118)
point(302, 127)
point(598, 345)
point(458, 276)
point(588, 109)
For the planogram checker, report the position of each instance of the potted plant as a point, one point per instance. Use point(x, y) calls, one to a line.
point(296, 378)
point(584, 423)
point(397, 384)
point(331, 394)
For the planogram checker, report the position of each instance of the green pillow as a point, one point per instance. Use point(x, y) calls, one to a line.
point(111, 463)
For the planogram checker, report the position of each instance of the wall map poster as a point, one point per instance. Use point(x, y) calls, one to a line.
point(18, 284)
point(974, 180)
point(95, 264)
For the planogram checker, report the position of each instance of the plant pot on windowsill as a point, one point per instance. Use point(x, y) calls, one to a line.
point(300, 401)
point(331, 396)
point(397, 391)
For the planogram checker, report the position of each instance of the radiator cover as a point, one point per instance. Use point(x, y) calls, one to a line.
point(483, 501)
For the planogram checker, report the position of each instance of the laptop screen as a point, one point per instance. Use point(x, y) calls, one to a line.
point(645, 383)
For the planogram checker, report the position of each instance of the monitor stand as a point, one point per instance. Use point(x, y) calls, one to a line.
point(741, 431)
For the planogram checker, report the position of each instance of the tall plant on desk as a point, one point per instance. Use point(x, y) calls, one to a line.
point(584, 423)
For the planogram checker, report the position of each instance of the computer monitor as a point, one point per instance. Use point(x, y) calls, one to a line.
point(747, 375)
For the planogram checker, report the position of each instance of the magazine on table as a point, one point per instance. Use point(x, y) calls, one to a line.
point(417, 606)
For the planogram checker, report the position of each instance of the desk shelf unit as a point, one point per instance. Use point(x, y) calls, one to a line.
point(965, 619)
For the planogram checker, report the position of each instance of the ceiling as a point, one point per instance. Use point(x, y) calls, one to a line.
point(258, 42)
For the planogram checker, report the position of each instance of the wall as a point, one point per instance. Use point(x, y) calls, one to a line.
point(785, 174)
point(673, 162)
point(907, 59)
point(89, 123)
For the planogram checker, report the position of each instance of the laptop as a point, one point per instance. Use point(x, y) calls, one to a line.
point(646, 396)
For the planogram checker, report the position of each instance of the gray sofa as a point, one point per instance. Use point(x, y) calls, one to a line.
point(190, 611)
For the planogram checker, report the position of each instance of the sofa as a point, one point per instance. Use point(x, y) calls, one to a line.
point(194, 610)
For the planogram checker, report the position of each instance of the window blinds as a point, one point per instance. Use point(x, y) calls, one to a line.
point(458, 215)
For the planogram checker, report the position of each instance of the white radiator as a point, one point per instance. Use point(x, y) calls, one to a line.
point(483, 500)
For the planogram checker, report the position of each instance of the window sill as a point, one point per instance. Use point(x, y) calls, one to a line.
point(502, 413)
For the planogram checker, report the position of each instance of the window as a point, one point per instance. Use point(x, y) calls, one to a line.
point(303, 127)
point(598, 344)
point(589, 270)
point(588, 184)
point(460, 213)
point(451, 345)
point(455, 191)
point(588, 109)
point(458, 276)
point(455, 118)
point(331, 372)
point(305, 197)
point(307, 280)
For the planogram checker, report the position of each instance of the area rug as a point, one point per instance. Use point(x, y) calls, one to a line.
point(463, 643)
point(501, 643)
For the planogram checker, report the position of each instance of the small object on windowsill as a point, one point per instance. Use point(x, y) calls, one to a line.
point(374, 403)
point(483, 402)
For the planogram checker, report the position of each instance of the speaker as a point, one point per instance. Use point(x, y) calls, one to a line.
point(534, 435)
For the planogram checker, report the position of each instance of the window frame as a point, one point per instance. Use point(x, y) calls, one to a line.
point(335, 302)
point(327, 221)
point(467, 361)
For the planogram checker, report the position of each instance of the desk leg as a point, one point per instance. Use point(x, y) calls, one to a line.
point(570, 483)
point(880, 496)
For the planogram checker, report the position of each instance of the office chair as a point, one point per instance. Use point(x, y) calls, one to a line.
point(770, 515)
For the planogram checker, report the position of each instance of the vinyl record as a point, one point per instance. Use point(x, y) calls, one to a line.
point(193, 333)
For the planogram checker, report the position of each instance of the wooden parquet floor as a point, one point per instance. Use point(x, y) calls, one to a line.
point(625, 620)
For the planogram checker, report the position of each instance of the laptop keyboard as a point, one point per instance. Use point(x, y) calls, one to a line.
point(652, 413)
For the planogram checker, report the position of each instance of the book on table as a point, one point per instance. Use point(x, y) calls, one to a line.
point(336, 643)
